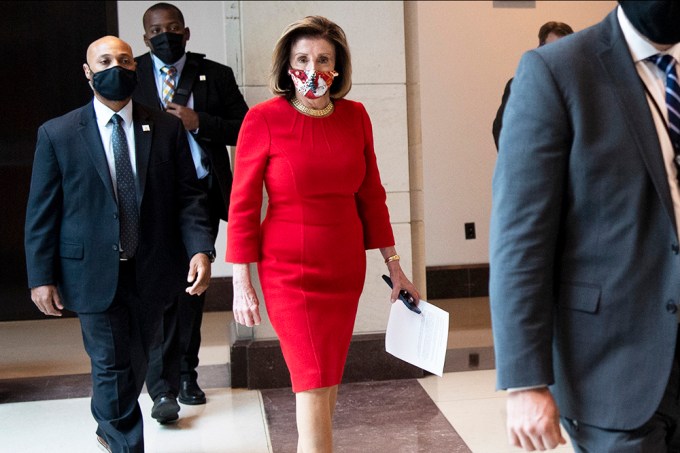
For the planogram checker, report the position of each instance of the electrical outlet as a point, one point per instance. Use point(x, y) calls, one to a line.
point(470, 231)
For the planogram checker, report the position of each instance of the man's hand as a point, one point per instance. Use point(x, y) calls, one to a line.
point(188, 116)
point(199, 274)
point(46, 298)
point(533, 420)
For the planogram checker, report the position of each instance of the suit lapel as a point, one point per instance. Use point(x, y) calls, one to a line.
point(92, 142)
point(143, 137)
point(147, 91)
point(199, 87)
point(619, 68)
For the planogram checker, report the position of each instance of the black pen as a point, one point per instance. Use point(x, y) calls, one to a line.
point(404, 296)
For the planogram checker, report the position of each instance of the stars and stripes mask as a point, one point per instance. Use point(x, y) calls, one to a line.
point(311, 83)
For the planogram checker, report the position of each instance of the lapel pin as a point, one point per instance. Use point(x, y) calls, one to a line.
point(146, 128)
point(201, 78)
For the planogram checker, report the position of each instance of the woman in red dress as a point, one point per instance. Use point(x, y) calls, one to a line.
point(313, 150)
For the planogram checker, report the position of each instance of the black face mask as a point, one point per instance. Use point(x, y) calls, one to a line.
point(169, 47)
point(116, 83)
point(659, 21)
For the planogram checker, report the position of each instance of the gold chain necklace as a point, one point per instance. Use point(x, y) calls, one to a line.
point(317, 113)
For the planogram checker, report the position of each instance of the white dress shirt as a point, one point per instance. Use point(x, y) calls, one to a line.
point(655, 79)
point(104, 114)
point(197, 153)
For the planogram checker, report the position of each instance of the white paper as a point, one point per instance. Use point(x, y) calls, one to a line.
point(419, 339)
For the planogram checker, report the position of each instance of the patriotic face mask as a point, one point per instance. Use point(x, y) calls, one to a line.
point(311, 83)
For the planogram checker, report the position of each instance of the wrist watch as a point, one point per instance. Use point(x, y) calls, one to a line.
point(211, 256)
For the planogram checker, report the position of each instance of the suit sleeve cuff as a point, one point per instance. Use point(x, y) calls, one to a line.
point(530, 387)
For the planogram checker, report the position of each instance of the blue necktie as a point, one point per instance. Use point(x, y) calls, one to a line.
point(667, 64)
point(127, 192)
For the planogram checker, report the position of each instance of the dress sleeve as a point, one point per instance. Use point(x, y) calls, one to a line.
point(371, 197)
point(243, 228)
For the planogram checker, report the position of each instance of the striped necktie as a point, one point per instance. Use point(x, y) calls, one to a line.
point(667, 64)
point(169, 73)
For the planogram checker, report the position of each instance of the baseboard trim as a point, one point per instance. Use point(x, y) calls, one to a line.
point(455, 282)
point(470, 359)
point(259, 364)
point(220, 295)
point(443, 282)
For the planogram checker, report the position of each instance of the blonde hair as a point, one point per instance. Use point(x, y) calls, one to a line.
point(280, 82)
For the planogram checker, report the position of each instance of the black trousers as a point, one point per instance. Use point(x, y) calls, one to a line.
point(661, 434)
point(174, 356)
point(118, 342)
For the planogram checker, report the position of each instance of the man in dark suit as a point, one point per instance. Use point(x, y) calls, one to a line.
point(204, 95)
point(549, 32)
point(113, 211)
point(585, 263)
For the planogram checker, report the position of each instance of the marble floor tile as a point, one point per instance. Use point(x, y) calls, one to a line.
point(377, 417)
point(481, 424)
point(38, 388)
point(38, 355)
point(470, 402)
point(464, 385)
point(231, 422)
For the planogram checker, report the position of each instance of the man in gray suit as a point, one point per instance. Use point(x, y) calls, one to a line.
point(585, 262)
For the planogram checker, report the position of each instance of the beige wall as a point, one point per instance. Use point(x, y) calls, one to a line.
point(431, 75)
point(467, 51)
point(206, 21)
point(248, 30)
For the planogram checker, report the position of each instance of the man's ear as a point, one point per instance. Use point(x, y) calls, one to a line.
point(87, 71)
point(146, 41)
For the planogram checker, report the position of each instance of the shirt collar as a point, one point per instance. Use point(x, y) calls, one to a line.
point(158, 64)
point(639, 46)
point(104, 114)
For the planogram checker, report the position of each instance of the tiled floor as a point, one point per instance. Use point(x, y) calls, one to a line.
point(234, 419)
point(394, 416)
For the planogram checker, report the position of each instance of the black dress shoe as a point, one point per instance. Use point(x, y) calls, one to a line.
point(165, 409)
point(190, 393)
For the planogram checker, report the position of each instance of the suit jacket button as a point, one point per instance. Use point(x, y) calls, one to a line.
point(115, 248)
point(115, 216)
point(675, 248)
point(671, 307)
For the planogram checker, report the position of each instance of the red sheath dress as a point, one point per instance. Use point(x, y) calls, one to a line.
point(326, 206)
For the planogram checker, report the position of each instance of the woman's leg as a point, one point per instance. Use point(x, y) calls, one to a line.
point(332, 399)
point(314, 413)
